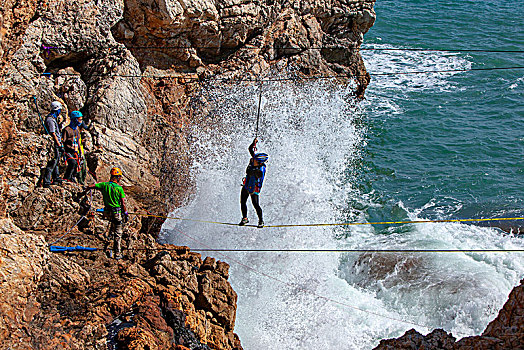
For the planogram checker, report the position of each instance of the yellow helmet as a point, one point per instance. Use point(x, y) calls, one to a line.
point(116, 172)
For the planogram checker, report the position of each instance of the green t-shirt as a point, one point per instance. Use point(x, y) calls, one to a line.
point(112, 193)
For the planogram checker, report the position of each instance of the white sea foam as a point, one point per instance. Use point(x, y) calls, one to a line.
point(286, 300)
point(412, 61)
point(516, 84)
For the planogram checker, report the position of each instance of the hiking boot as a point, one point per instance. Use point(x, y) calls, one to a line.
point(46, 185)
point(110, 254)
point(118, 257)
point(243, 222)
point(260, 223)
point(57, 181)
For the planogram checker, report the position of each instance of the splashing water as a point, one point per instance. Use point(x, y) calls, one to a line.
point(314, 134)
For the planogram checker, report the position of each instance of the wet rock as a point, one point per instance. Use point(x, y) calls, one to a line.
point(508, 327)
point(438, 339)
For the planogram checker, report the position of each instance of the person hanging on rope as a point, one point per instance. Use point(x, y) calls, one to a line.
point(255, 172)
point(114, 208)
point(52, 126)
point(73, 146)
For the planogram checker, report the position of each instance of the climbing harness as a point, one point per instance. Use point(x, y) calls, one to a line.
point(73, 156)
point(76, 146)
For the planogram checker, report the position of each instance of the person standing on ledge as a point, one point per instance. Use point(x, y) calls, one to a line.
point(53, 128)
point(114, 208)
point(72, 145)
point(255, 172)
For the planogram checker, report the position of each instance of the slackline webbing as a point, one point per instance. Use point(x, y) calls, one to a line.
point(336, 224)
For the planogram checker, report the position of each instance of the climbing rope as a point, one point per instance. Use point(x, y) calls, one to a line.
point(304, 289)
point(68, 231)
point(360, 250)
point(47, 49)
point(40, 116)
point(258, 112)
point(77, 223)
point(336, 224)
point(317, 77)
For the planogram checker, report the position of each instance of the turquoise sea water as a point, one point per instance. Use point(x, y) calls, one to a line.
point(429, 146)
point(452, 145)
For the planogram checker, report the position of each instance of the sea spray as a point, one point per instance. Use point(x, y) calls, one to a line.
point(310, 133)
point(315, 136)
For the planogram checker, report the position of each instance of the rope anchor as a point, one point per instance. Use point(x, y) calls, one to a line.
point(47, 50)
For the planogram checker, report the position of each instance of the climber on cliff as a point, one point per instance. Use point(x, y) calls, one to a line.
point(73, 145)
point(252, 185)
point(52, 175)
point(114, 208)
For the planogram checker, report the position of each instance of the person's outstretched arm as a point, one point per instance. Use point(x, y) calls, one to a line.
point(252, 147)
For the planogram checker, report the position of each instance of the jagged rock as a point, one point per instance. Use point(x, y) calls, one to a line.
point(22, 263)
point(510, 320)
point(134, 290)
point(438, 339)
point(68, 275)
point(210, 264)
point(72, 89)
point(135, 338)
point(215, 293)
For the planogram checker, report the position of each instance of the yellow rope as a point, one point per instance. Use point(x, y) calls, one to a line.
point(336, 224)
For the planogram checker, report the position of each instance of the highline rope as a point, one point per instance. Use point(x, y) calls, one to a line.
point(304, 289)
point(257, 79)
point(312, 292)
point(47, 49)
point(337, 223)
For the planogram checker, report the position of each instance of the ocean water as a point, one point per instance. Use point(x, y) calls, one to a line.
point(432, 146)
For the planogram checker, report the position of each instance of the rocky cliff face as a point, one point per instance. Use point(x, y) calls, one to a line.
point(134, 68)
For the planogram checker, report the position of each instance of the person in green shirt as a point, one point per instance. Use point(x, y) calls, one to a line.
point(114, 208)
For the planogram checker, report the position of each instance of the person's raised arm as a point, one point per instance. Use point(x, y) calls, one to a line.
point(252, 147)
